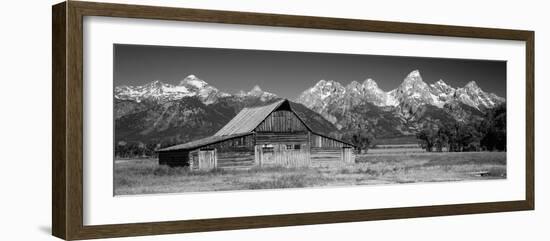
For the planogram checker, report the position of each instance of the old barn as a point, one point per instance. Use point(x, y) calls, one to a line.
point(261, 136)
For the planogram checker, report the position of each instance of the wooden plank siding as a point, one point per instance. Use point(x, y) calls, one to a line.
point(281, 155)
point(236, 159)
point(221, 159)
point(282, 139)
point(289, 138)
point(282, 121)
point(326, 154)
point(348, 156)
point(246, 142)
point(322, 141)
point(234, 153)
point(246, 151)
point(207, 159)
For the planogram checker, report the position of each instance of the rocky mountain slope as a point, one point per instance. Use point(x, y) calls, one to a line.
point(401, 111)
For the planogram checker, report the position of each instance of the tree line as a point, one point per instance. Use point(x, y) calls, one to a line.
point(125, 149)
point(135, 150)
point(485, 134)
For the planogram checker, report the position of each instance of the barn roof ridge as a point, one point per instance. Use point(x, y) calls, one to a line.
point(203, 142)
point(276, 103)
point(249, 118)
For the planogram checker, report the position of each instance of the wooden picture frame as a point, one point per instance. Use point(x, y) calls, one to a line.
point(67, 124)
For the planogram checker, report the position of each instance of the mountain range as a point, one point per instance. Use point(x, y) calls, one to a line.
point(400, 111)
point(168, 114)
point(158, 112)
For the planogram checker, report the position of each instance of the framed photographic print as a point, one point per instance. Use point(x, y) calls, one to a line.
point(171, 120)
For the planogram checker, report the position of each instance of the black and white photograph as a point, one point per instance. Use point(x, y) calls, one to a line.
point(189, 119)
point(271, 120)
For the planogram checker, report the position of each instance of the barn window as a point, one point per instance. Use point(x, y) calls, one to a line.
point(289, 147)
point(297, 146)
point(267, 148)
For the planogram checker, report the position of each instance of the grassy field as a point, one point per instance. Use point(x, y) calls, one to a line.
point(145, 176)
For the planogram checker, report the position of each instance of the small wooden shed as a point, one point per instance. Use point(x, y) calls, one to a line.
point(261, 136)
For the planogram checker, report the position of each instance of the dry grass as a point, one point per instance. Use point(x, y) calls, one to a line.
point(146, 176)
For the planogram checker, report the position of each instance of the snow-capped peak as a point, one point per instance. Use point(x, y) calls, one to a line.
point(155, 83)
point(370, 83)
point(256, 91)
point(193, 81)
point(159, 91)
point(155, 90)
point(370, 92)
point(441, 83)
point(441, 87)
point(324, 92)
point(408, 97)
point(474, 96)
point(413, 83)
point(472, 85)
point(328, 84)
point(354, 85)
point(443, 92)
point(414, 74)
point(413, 77)
point(414, 92)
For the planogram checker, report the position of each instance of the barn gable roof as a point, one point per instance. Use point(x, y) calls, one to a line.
point(248, 119)
point(203, 142)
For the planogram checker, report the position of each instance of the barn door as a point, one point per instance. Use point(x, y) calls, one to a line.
point(207, 159)
point(347, 155)
point(266, 154)
point(194, 163)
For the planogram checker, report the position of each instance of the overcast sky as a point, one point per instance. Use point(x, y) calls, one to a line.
point(288, 74)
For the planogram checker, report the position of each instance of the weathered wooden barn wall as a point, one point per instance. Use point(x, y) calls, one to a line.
point(325, 142)
point(326, 149)
point(194, 159)
point(282, 139)
point(326, 154)
point(267, 138)
point(281, 126)
point(281, 121)
point(348, 155)
point(294, 155)
point(202, 159)
point(234, 153)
